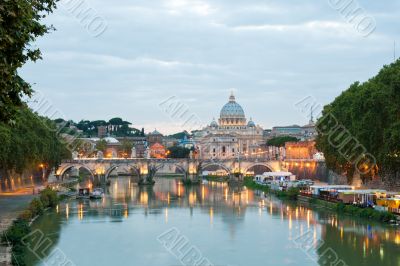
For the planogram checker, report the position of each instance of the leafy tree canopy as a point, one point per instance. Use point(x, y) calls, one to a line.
point(20, 25)
point(178, 152)
point(30, 141)
point(368, 113)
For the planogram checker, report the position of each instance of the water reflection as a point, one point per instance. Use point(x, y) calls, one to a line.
point(247, 226)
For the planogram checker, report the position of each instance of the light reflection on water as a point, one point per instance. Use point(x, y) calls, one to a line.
point(230, 226)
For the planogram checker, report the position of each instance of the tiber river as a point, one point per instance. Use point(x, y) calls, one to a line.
point(210, 224)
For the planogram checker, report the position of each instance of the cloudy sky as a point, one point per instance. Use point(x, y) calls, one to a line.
point(126, 57)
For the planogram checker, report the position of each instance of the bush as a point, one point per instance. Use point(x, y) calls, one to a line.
point(36, 207)
point(367, 213)
point(49, 198)
point(16, 232)
point(312, 200)
point(26, 215)
point(292, 193)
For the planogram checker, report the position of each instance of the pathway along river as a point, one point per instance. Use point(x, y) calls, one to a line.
point(168, 224)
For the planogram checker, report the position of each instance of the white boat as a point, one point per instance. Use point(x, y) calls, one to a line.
point(97, 193)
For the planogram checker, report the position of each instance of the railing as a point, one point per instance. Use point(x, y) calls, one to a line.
point(80, 160)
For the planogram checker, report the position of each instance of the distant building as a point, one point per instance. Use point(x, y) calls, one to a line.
point(154, 137)
point(158, 151)
point(302, 150)
point(101, 131)
point(231, 136)
point(307, 132)
point(293, 130)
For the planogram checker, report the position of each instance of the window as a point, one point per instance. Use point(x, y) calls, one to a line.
point(223, 149)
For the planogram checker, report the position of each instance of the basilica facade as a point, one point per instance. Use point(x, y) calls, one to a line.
point(232, 136)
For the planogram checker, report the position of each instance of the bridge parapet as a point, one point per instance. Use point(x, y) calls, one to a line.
point(147, 168)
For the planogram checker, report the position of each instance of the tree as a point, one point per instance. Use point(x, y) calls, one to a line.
point(280, 141)
point(30, 141)
point(364, 122)
point(20, 25)
point(101, 145)
point(126, 147)
point(178, 152)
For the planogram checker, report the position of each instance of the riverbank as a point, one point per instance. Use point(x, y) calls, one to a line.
point(12, 205)
point(18, 225)
point(339, 208)
point(290, 194)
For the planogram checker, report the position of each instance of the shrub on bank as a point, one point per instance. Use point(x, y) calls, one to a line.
point(49, 198)
point(368, 213)
point(13, 236)
point(36, 207)
point(249, 183)
point(20, 227)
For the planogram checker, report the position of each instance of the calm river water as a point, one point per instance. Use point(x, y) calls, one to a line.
point(211, 224)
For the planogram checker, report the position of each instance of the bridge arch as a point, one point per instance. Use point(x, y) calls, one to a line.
point(227, 169)
point(177, 165)
point(64, 169)
point(266, 165)
point(115, 166)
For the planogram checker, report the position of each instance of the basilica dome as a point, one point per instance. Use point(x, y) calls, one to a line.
point(232, 113)
point(251, 123)
point(214, 123)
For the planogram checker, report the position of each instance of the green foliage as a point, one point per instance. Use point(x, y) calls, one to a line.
point(20, 227)
point(31, 141)
point(178, 152)
point(367, 213)
point(292, 193)
point(26, 215)
point(312, 200)
point(101, 145)
point(36, 207)
point(371, 113)
point(16, 232)
point(126, 147)
point(115, 127)
point(14, 235)
point(20, 25)
point(216, 178)
point(49, 198)
point(83, 147)
point(280, 141)
point(249, 183)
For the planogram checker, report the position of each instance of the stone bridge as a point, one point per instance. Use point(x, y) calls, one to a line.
point(148, 168)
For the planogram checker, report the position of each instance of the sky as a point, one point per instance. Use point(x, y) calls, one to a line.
point(127, 59)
